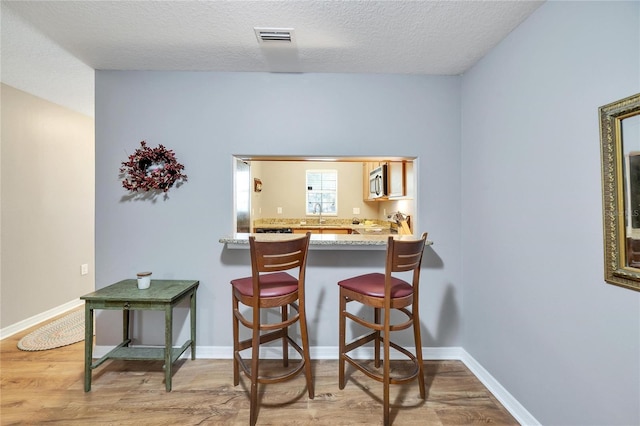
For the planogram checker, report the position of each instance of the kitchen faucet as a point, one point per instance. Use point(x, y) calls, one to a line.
point(317, 209)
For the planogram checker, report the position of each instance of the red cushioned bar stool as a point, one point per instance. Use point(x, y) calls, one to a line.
point(277, 281)
point(385, 293)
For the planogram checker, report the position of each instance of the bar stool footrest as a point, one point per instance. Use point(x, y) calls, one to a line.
point(406, 378)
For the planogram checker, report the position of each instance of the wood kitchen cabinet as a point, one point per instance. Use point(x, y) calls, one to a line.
point(322, 230)
point(367, 168)
point(305, 230)
point(343, 231)
point(396, 179)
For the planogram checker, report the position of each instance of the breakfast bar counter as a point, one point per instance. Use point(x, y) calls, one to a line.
point(320, 241)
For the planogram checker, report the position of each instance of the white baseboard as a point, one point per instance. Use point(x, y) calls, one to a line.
point(37, 319)
point(331, 352)
point(506, 399)
point(317, 352)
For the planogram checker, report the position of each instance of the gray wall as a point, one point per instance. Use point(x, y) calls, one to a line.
point(538, 315)
point(207, 117)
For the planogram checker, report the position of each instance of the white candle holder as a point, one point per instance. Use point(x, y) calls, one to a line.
point(144, 280)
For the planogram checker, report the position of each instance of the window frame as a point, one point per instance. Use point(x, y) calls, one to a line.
point(334, 192)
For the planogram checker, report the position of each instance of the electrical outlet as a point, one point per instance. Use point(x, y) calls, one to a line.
point(84, 269)
point(356, 210)
point(279, 210)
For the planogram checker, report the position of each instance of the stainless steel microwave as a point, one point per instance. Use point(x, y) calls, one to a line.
point(378, 182)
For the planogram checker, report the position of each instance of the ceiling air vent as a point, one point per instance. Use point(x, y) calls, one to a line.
point(280, 35)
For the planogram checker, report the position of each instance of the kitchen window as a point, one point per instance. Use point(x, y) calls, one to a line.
point(322, 192)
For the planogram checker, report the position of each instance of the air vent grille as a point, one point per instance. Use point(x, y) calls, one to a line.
point(273, 35)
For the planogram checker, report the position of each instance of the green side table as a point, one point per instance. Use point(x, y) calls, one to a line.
point(162, 295)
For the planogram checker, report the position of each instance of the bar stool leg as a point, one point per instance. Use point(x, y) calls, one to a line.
point(386, 368)
point(342, 337)
point(304, 336)
point(285, 342)
point(236, 334)
point(376, 346)
point(255, 357)
point(418, 340)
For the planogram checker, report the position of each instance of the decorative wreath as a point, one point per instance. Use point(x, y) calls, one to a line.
point(151, 169)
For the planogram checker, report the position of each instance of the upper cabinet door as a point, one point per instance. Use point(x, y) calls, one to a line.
point(367, 168)
point(396, 179)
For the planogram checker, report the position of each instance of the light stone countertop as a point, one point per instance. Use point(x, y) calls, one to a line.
point(375, 228)
point(320, 241)
point(328, 223)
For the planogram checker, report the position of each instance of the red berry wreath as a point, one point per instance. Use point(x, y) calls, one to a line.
point(151, 169)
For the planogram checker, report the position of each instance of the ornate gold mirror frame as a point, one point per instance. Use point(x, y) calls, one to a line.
point(620, 144)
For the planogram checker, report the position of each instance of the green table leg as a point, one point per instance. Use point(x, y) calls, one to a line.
point(168, 351)
point(88, 345)
point(126, 327)
point(192, 314)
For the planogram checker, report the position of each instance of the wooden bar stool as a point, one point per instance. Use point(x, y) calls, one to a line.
point(270, 286)
point(385, 292)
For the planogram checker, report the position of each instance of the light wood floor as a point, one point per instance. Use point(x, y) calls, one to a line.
point(47, 387)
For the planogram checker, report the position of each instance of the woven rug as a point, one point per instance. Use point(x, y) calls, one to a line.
point(61, 332)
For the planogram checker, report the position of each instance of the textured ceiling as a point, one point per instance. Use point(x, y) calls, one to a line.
point(405, 37)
